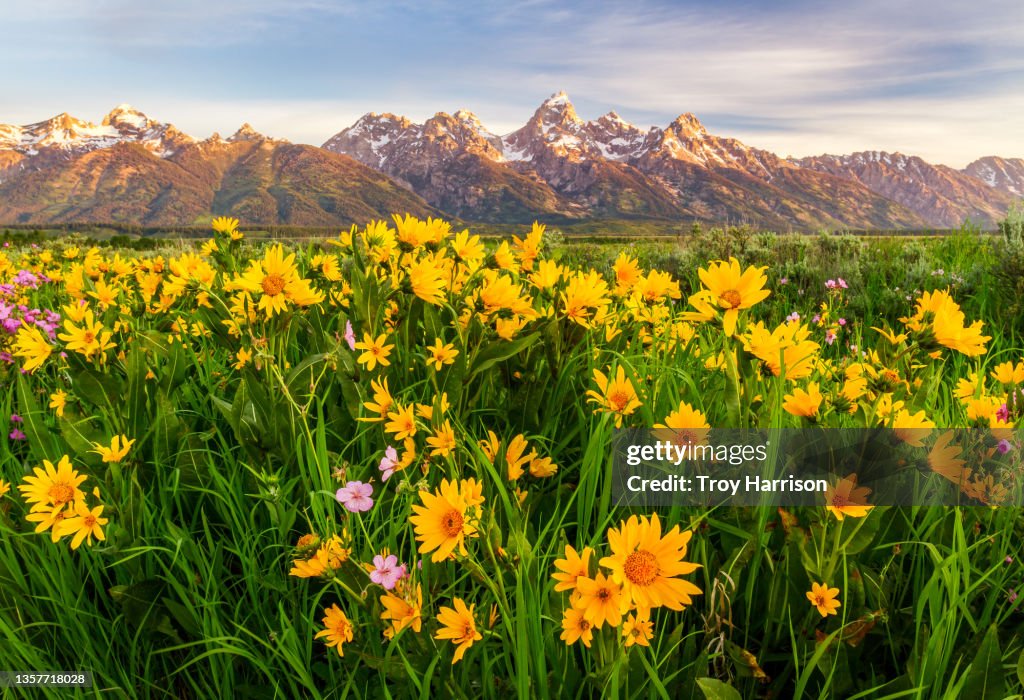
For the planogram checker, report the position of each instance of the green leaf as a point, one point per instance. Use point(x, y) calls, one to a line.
point(303, 375)
point(715, 689)
point(498, 351)
point(432, 322)
point(985, 678)
point(80, 435)
point(179, 364)
point(103, 391)
point(141, 605)
point(863, 537)
point(135, 401)
point(166, 429)
point(41, 440)
point(227, 410)
point(350, 394)
point(183, 616)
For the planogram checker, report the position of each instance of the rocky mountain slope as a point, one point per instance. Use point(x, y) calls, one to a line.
point(131, 169)
point(942, 196)
point(557, 167)
point(1006, 174)
point(558, 163)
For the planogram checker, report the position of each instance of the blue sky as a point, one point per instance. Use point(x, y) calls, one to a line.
point(940, 79)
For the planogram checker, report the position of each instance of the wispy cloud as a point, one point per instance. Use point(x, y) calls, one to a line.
point(940, 80)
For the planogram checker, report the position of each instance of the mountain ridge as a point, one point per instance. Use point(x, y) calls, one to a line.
point(557, 167)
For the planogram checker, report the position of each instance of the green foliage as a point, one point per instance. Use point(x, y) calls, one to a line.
point(191, 597)
point(1012, 227)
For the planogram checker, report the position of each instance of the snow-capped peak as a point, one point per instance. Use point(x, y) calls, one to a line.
point(613, 118)
point(124, 124)
point(246, 133)
point(688, 126)
point(559, 98)
point(126, 115)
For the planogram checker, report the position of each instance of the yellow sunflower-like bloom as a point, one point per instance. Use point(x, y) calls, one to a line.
point(427, 277)
point(58, 400)
point(601, 599)
point(647, 563)
point(52, 486)
point(442, 441)
point(337, 629)
point(585, 296)
point(788, 346)
point(616, 396)
point(627, 273)
point(572, 568)
point(846, 499)
point(638, 629)
point(576, 628)
point(440, 354)
point(276, 280)
point(944, 458)
point(685, 425)
point(824, 599)
point(458, 625)
point(375, 351)
point(529, 248)
point(804, 403)
point(938, 315)
point(32, 345)
point(84, 525)
point(224, 224)
point(402, 611)
point(912, 428)
point(442, 523)
point(89, 339)
point(402, 423)
point(117, 451)
point(734, 289)
point(468, 248)
point(547, 275)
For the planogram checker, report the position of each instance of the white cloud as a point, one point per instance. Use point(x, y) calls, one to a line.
point(940, 80)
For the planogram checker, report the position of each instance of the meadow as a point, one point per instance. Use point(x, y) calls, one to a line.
point(379, 466)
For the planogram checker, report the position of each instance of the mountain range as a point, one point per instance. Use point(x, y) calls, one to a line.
point(556, 168)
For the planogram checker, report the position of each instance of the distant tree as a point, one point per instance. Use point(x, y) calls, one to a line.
point(1012, 227)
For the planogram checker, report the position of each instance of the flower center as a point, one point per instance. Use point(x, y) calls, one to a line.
point(840, 501)
point(60, 493)
point(452, 522)
point(604, 594)
point(641, 568)
point(732, 298)
point(584, 625)
point(819, 600)
point(89, 520)
point(618, 400)
point(684, 437)
point(272, 285)
point(88, 336)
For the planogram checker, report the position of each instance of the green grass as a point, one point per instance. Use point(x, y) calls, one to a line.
point(191, 597)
